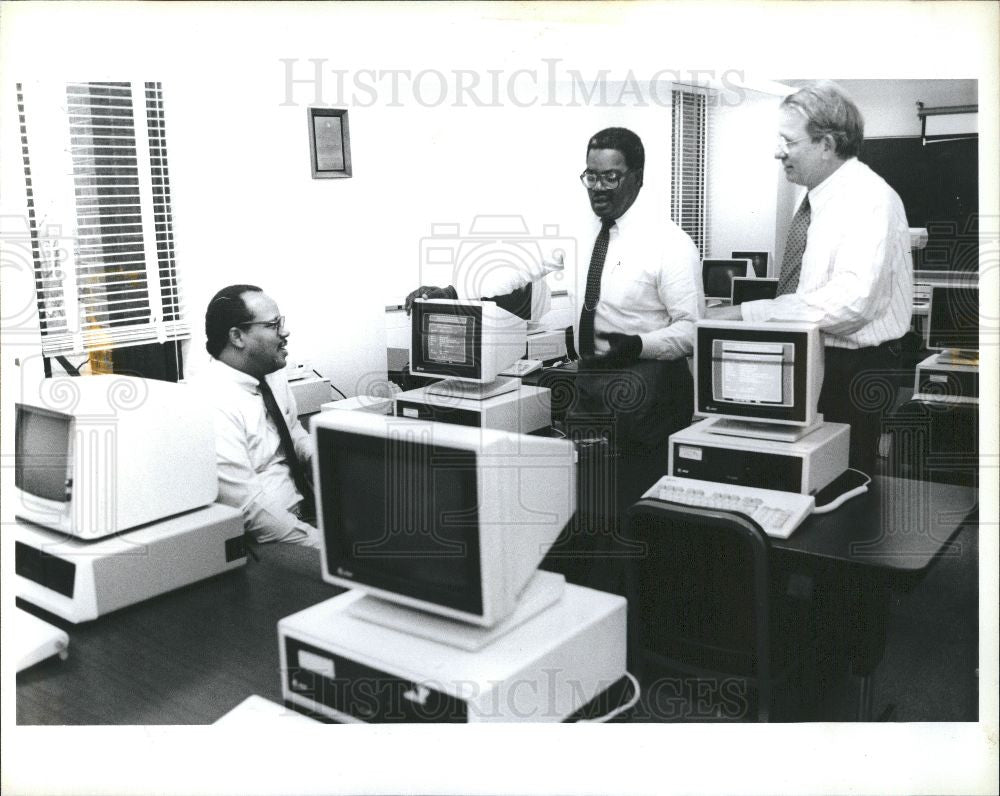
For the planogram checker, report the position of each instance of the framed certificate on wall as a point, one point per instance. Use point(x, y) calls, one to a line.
point(329, 143)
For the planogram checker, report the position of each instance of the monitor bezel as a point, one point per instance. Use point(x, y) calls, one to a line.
point(751, 255)
point(22, 411)
point(712, 261)
point(338, 561)
point(418, 359)
point(709, 406)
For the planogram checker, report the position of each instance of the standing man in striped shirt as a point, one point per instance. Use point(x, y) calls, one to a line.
point(847, 266)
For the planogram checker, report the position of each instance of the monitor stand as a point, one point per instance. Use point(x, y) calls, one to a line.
point(755, 429)
point(543, 590)
point(480, 392)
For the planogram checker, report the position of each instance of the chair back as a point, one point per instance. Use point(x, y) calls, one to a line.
point(701, 591)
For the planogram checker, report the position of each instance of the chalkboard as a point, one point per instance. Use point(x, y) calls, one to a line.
point(939, 185)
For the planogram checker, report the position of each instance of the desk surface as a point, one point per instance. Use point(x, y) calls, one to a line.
point(190, 656)
point(186, 657)
point(899, 525)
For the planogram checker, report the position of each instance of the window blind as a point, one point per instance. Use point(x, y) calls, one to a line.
point(110, 279)
point(690, 128)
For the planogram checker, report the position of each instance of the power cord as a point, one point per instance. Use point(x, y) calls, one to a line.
point(838, 501)
point(621, 708)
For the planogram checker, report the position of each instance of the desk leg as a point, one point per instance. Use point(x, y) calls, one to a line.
point(869, 612)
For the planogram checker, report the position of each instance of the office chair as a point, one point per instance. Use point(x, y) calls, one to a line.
point(703, 603)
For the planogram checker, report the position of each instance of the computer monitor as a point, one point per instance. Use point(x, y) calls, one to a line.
point(758, 376)
point(717, 276)
point(469, 343)
point(449, 520)
point(751, 288)
point(759, 261)
point(98, 455)
point(953, 322)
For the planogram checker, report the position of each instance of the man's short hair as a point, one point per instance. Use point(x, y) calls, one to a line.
point(625, 141)
point(226, 310)
point(829, 111)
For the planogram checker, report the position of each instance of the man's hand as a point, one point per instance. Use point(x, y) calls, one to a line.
point(554, 263)
point(429, 292)
point(622, 348)
point(724, 313)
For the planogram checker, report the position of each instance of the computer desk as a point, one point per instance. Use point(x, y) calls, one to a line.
point(190, 656)
point(888, 537)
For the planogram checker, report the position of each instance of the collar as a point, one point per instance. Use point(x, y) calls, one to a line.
point(230, 374)
point(623, 221)
point(827, 189)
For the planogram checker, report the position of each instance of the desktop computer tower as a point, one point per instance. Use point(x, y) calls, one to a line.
point(947, 381)
point(81, 580)
point(805, 466)
point(348, 669)
point(523, 411)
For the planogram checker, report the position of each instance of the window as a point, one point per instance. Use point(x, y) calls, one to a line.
point(95, 166)
point(690, 127)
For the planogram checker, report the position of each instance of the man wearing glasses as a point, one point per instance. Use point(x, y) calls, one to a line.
point(847, 265)
point(638, 302)
point(262, 450)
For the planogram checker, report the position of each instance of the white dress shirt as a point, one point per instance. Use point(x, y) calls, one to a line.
point(650, 286)
point(253, 474)
point(857, 269)
point(501, 271)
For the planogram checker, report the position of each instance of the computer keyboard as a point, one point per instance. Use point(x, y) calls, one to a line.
point(522, 367)
point(777, 513)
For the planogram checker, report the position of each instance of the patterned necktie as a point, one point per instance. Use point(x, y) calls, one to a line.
point(301, 482)
point(593, 292)
point(791, 262)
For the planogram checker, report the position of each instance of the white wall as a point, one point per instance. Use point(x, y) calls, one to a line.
point(743, 175)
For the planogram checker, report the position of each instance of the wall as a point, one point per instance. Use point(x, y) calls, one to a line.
point(743, 175)
point(889, 106)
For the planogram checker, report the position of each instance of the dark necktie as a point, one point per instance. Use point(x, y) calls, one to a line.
point(301, 482)
point(593, 292)
point(791, 262)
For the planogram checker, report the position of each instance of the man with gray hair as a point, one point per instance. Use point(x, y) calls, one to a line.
point(847, 264)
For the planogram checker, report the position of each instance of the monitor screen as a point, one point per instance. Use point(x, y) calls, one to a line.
point(753, 289)
point(758, 260)
point(409, 524)
point(42, 453)
point(953, 318)
point(717, 276)
point(447, 340)
point(766, 372)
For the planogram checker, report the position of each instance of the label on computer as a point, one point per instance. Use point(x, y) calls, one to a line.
point(410, 412)
point(689, 452)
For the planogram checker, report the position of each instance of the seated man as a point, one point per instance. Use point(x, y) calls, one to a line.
point(263, 452)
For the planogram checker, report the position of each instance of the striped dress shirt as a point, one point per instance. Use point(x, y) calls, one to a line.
point(857, 269)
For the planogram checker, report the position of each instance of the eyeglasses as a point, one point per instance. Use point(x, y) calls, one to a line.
point(784, 143)
point(276, 324)
point(606, 179)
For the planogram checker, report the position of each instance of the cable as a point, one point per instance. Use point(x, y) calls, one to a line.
point(838, 501)
point(621, 708)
